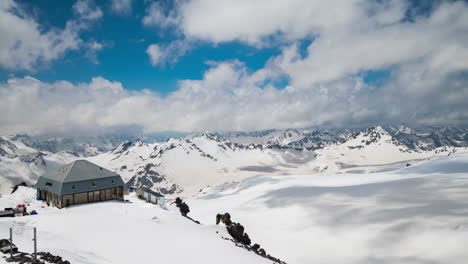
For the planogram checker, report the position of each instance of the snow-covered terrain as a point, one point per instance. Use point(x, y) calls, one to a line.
point(119, 233)
point(415, 214)
point(403, 214)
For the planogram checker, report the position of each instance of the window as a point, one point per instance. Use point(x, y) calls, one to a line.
point(112, 181)
point(73, 187)
point(48, 184)
point(94, 184)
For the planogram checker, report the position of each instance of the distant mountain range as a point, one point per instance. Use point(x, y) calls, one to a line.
point(191, 164)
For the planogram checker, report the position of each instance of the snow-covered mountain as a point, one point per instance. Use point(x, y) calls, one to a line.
point(21, 163)
point(426, 138)
point(193, 164)
point(419, 138)
point(374, 146)
point(298, 138)
point(196, 162)
point(188, 165)
point(83, 146)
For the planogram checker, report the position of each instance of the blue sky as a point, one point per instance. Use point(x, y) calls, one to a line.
point(90, 66)
point(124, 57)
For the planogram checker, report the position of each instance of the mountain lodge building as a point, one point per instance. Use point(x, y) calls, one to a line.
point(79, 182)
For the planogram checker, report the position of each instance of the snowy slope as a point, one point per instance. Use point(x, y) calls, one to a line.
point(119, 233)
point(417, 214)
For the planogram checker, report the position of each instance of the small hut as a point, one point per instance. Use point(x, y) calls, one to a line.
point(151, 196)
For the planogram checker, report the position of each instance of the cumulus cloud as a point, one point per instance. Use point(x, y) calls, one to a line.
point(255, 22)
point(228, 97)
point(24, 43)
point(123, 7)
point(432, 41)
point(348, 37)
point(425, 56)
point(423, 50)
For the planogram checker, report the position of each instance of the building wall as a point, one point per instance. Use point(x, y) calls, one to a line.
point(67, 200)
point(80, 198)
point(50, 198)
point(152, 198)
point(161, 200)
point(115, 193)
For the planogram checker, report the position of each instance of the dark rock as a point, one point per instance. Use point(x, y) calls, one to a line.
point(242, 239)
point(15, 188)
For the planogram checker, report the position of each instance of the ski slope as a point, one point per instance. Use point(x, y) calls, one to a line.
point(416, 214)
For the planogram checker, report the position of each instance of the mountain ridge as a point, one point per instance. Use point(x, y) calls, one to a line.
point(192, 163)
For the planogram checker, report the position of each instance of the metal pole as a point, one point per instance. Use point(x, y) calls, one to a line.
point(11, 242)
point(35, 244)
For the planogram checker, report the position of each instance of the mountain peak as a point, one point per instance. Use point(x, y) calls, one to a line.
point(127, 145)
point(374, 131)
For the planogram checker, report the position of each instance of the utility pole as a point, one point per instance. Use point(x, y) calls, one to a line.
point(35, 245)
point(11, 242)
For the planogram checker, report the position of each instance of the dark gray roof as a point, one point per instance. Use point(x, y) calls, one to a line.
point(79, 176)
point(79, 170)
point(152, 192)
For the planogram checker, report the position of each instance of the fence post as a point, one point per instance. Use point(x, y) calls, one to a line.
point(11, 242)
point(35, 244)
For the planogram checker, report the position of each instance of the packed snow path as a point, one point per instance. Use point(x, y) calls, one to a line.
point(416, 215)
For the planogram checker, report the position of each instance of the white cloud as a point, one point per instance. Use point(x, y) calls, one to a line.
point(122, 6)
point(432, 40)
point(254, 22)
point(160, 55)
point(93, 48)
point(228, 97)
point(24, 43)
point(154, 52)
point(425, 54)
point(159, 15)
point(427, 60)
point(349, 36)
point(87, 10)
